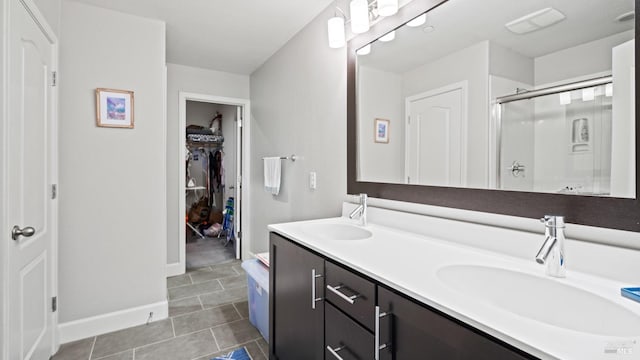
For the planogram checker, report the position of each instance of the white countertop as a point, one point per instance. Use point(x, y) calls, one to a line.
point(410, 262)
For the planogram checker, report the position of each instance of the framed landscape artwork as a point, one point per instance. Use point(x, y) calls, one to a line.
point(114, 108)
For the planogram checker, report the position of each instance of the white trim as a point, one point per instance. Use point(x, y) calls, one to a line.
point(174, 269)
point(4, 222)
point(183, 97)
point(113, 321)
point(463, 86)
point(40, 20)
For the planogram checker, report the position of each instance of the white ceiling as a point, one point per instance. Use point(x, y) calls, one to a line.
point(234, 36)
point(462, 23)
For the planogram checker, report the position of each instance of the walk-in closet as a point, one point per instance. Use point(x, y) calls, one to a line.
point(210, 179)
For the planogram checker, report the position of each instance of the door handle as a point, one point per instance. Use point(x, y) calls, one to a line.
point(377, 346)
point(336, 290)
point(334, 352)
point(16, 232)
point(314, 298)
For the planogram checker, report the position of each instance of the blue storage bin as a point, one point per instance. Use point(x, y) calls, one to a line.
point(258, 289)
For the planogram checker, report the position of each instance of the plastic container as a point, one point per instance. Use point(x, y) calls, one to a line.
point(258, 289)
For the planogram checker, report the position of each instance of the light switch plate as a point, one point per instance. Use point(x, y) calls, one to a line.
point(312, 180)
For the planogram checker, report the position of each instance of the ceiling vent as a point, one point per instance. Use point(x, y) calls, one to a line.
point(535, 21)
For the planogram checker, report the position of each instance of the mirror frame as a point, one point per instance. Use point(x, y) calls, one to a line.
point(607, 212)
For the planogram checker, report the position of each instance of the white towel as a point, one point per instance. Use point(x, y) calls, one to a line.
point(272, 170)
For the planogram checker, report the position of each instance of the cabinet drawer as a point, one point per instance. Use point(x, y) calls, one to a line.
point(351, 294)
point(348, 339)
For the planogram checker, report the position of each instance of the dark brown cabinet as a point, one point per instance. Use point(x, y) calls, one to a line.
point(360, 316)
point(416, 332)
point(296, 309)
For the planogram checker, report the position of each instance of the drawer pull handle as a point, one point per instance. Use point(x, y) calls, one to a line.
point(377, 345)
point(336, 290)
point(314, 299)
point(334, 352)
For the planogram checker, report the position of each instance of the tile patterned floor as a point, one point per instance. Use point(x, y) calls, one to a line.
point(210, 250)
point(208, 317)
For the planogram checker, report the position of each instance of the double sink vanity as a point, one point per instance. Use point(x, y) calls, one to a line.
point(341, 290)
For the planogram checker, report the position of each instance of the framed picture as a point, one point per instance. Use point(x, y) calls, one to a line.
point(114, 108)
point(381, 131)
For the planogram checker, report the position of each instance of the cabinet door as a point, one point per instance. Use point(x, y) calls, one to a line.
point(416, 332)
point(296, 316)
point(345, 338)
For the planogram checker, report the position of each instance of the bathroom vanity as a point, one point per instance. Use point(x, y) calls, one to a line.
point(343, 291)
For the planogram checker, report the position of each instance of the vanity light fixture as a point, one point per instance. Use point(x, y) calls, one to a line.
point(359, 16)
point(335, 27)
point(365, 50)
point(419, 21)
point(565, 98)
point(588, 94)
point(361, 13)
point(388, 36)
point(387, 7)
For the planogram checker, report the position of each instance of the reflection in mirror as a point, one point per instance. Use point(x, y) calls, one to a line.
point(528, 97)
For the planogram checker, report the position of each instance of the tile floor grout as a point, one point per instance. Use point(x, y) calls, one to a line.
point(235, 333)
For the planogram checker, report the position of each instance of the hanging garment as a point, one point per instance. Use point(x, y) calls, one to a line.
point(218, 170)
point(212, 172)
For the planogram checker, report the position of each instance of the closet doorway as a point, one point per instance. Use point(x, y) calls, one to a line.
point(211, 172)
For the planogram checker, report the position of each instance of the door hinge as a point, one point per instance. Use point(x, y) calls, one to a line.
point(54, 78)
point(408, 179)
point(54, 191)
point(54, 304)
point(408, 119)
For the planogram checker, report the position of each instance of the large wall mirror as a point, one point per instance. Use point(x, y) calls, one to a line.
point(514, 107)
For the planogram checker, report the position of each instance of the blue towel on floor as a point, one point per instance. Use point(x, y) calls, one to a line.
point(238, 354)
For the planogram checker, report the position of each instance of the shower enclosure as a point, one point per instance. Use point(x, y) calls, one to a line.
point(557, 139)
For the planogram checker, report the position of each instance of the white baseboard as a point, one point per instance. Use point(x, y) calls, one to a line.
point(175, 269)
point(117, 320)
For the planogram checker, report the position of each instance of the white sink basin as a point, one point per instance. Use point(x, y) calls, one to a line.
point(338, 231)
point(542, 299)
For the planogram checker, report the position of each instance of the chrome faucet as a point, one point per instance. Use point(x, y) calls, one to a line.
point(361, 210)
point(552, 251)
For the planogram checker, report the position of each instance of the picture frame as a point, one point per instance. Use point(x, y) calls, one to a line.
point(381, 130)
point(114, 108)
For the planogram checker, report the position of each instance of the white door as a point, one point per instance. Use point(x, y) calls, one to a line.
point(238, 200)
point(31, 137)
point(435, 132)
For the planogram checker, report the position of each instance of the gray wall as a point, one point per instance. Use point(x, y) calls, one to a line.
point(51, 11)
point(200, 81)
point(588, 58)
point(380, 96)
point(112, 251)
point(298, 104)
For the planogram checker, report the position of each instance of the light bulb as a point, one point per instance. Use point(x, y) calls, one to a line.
point(418, 21)
point(359, 16)
point(588, 94)
point(608, 90)
point(335, 27)
point(365, 50)
point(388, 36)
point(387, 7)
point(565, 98)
